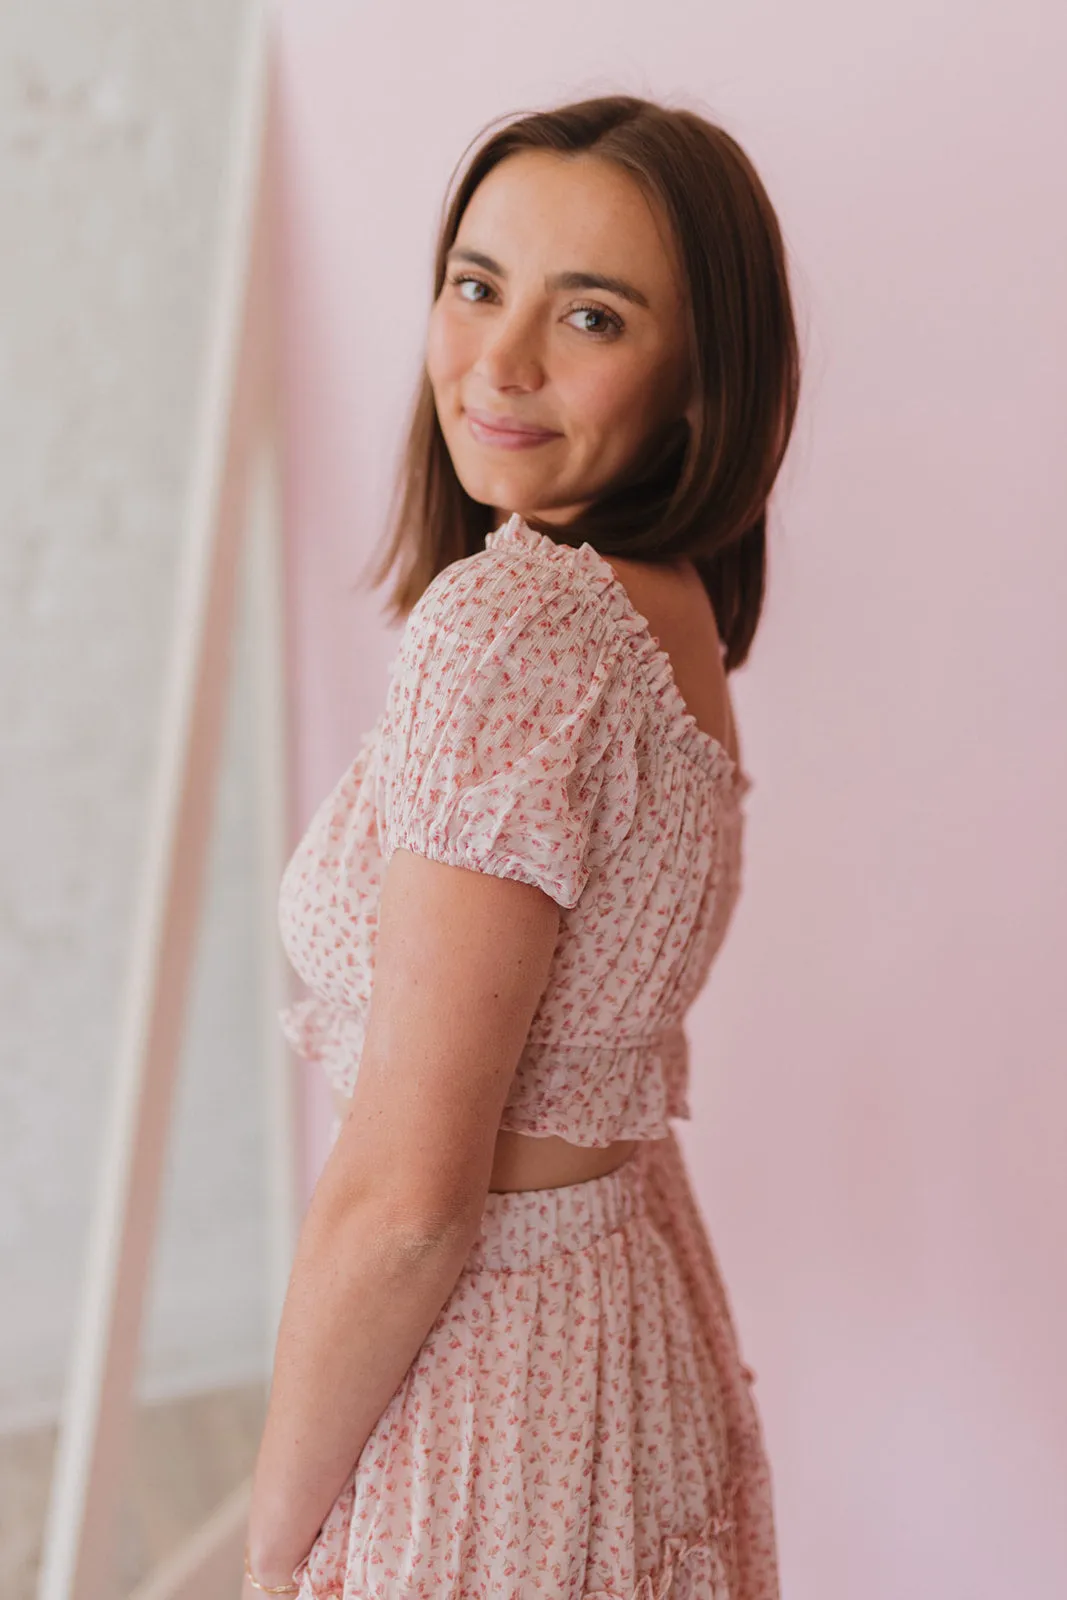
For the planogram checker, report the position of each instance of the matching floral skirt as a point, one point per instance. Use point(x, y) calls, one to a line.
point(578, 1423)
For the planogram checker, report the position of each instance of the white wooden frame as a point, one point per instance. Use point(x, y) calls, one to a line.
point(233, 488)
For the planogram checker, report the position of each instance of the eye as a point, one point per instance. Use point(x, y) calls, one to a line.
point(614, 323)
point(469, 277)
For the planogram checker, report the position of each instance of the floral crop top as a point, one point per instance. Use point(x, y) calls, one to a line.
point(533, 729)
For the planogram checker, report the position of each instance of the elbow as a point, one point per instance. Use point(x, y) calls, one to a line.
point(398, 1238)
point(415, 1237)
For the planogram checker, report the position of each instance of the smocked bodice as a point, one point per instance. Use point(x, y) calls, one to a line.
point(533, 729)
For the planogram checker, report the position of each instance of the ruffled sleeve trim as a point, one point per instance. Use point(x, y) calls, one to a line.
point(509, 741)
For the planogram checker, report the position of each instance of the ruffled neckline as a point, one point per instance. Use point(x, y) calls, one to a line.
point(656, 666)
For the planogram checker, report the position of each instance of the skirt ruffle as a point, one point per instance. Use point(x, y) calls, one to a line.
point(578, 1423)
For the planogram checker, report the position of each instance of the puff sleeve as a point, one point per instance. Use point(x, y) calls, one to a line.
point(509, 729)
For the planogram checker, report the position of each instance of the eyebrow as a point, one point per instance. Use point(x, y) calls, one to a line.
point(558, 280)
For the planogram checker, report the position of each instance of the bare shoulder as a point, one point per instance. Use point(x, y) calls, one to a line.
point(680, 616)
point(673, 590)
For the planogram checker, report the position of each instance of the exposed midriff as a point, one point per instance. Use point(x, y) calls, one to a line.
point(532, 1161)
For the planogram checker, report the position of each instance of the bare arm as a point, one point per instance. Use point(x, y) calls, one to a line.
point(462, 960)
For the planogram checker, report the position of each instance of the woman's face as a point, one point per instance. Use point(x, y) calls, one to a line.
point(596, 369)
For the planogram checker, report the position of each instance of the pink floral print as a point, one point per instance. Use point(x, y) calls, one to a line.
point(577, 1425)
point(579, 1422)
point(533, 729)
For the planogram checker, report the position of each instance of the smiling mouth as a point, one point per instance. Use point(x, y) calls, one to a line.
point(505, 436)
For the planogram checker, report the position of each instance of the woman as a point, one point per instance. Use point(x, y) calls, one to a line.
point(506, 1365)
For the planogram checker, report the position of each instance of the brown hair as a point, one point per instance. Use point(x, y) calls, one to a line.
point(704, 494)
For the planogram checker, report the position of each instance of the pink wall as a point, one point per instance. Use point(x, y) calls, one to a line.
point(880, 1088)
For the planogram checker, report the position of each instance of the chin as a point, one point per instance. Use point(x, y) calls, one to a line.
point(502, 488)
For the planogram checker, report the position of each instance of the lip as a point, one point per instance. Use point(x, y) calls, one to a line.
point(507, 431)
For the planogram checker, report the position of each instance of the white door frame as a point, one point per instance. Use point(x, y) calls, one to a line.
point(232, 514)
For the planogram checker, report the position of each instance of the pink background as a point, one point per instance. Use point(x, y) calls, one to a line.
point(879, 1084)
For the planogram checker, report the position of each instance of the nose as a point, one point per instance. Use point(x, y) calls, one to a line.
point(511, 355)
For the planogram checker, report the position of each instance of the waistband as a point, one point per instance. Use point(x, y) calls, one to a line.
point(521, 1228)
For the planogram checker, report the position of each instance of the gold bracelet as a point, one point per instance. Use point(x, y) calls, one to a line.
point(281, 1588)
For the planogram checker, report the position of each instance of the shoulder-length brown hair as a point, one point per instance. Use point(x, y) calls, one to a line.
point(704, 495)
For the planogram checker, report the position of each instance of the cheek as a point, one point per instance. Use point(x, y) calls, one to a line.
point(448, 353)
point(610, 404)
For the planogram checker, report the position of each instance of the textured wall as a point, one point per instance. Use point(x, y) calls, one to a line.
point(114, 124)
